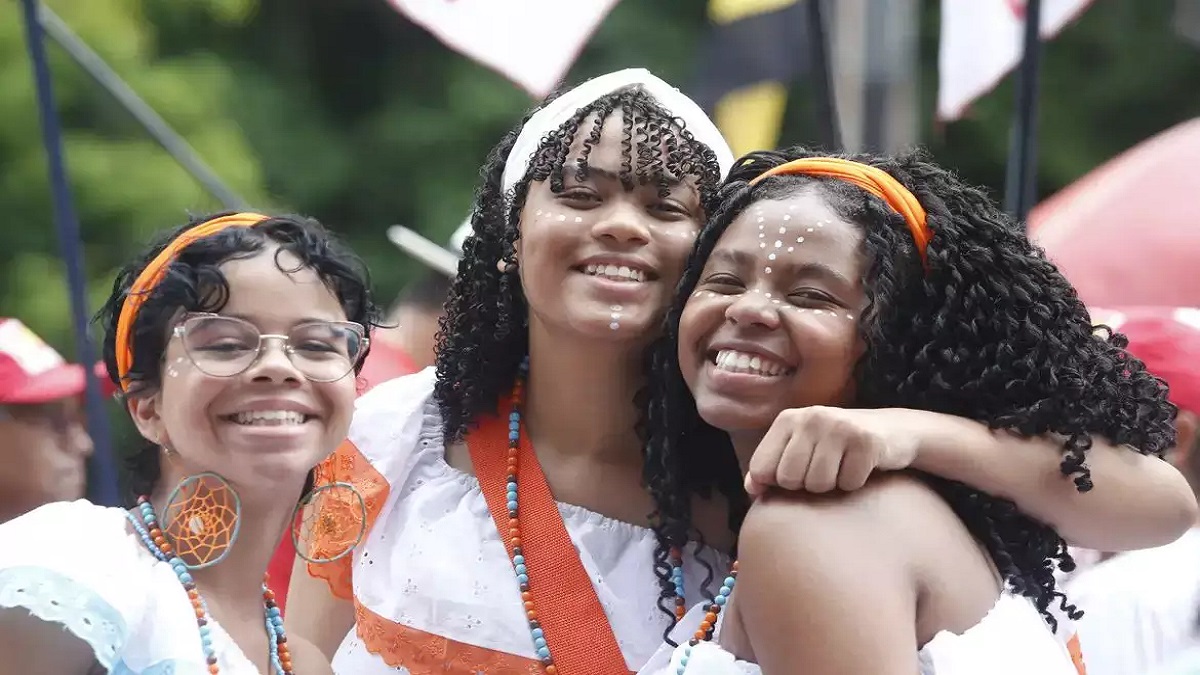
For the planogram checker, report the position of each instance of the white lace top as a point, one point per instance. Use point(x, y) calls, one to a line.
point(1011, 638)
point(433, 587)
point(79, 565)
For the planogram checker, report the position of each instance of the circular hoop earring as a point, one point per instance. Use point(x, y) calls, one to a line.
point(202, 519)
point(329, 523)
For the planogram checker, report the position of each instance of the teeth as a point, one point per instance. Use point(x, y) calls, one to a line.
point(615, 272)
point(741, 362)
point(269, 418)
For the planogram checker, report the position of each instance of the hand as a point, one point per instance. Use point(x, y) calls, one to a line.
point(818, 449)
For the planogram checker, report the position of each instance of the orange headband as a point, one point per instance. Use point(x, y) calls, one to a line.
point(153, 274)
point(876, 181)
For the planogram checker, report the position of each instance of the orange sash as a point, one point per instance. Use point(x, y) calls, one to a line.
point(577, 630)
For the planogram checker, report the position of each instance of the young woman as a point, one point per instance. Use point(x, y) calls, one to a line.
point(581, 232)
point(842, 289)
point(235, 340)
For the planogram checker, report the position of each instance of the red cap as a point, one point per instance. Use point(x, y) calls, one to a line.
point(32, 372)
point(1167, 340)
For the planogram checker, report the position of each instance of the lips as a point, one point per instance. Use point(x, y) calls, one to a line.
point(269, 418)
point(735, 361)
point(616, 272)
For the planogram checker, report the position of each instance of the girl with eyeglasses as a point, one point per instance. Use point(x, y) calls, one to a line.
point(235, 341)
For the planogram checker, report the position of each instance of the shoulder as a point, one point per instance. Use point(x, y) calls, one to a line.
point(77, 565)
point(390, 421)
point(887, 508)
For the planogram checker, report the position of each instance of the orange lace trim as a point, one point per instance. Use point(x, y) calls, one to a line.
point(348, 465)
point(424, 653)
point(1076, 652)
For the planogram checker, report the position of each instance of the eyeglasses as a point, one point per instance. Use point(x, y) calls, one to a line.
point(224, 346)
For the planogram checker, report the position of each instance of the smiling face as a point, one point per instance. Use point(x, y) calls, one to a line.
point(598, 259)
point(268, 425)
point(772, 323)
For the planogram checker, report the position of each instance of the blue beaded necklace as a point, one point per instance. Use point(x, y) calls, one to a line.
point(151, 535)
point(541, 648)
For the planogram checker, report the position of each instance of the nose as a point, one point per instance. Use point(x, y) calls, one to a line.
point(754, 308)
point(80, 441)
point(623, 223)
point(273, 363)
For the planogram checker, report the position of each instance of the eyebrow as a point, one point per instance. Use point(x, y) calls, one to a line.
point(615, 176)
point(308, 319)
point(812, 268)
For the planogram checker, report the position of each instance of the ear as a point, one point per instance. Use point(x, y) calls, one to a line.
point(1187, 425)
point(145, 411)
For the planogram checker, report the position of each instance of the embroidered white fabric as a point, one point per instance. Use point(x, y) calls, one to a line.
point(79, 565)
point(434, 561)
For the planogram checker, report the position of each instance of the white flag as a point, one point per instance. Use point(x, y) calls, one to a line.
point(531, 42)
point(982, 40)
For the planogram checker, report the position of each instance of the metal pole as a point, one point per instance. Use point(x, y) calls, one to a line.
point(71, 249)
point(831, 135)
point(1022, 159)
point(158, 129)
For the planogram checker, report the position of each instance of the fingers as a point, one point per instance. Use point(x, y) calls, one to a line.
point(764, 470)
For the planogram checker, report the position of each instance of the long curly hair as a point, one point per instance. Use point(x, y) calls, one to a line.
point(483, 335)
point(991, 332)
point(194, 283)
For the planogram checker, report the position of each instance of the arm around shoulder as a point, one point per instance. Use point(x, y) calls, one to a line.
point(816, 575)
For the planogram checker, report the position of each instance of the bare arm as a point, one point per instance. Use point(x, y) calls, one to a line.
point(820, 592)
point(1138, 501)
point(315, 614)
point(31, 645)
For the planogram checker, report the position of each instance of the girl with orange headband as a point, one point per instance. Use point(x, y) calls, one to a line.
point(484, 554)
point(825, 295)
point(235, 341)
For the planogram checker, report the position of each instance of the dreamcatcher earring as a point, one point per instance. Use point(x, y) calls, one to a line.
point(201, 519)
point(329, 523)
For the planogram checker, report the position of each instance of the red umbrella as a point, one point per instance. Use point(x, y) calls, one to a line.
point(1128, 233)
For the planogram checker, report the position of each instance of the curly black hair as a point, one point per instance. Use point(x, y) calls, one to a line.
point(194, 283)
point(483, 338)
point(991, 332)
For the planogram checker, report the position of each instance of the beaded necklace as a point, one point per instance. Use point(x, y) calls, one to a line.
point(154, 539)
point(707, 626)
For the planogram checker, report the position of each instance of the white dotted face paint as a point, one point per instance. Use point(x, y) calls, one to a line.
point(615, 316)
point(578, 219)
point(561, 218)
point(171, 370)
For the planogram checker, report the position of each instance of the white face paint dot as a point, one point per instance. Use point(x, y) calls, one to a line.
point(538, 212)
point(761, 235)
point(768, 270)
point(762, 245)
point(561, 217)
point(787, 216)
point(578, 219)
point(760, 220)
point(778, 244)
point(810, 229)
point(615, 308)
point(614, 325)
point(799, 240)
point(771, 257)
point(849, 316)
point(791, 248)
point(616, 315)
point(782, 230)
point(775, 301)
point(767, 294)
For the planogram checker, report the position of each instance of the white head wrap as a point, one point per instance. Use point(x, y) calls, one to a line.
point(562, 108)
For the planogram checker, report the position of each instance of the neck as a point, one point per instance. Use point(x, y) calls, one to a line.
point(744, 445)
point(237, 579)
point(579, 398)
